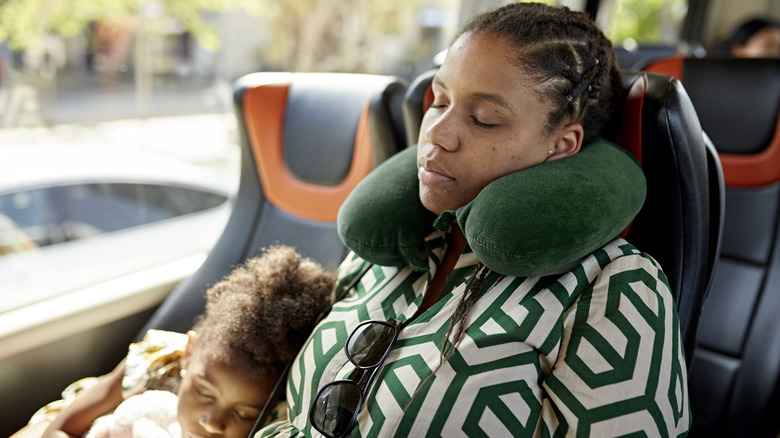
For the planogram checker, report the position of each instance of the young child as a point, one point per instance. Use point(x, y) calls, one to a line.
point(225, 368)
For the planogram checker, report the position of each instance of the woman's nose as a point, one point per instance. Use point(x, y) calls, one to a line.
point(441, 130)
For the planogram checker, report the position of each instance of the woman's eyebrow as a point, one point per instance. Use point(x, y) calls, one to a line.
point(486, 97)
point(493, 98)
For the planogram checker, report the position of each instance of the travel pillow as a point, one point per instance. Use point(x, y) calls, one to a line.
point(525, 223)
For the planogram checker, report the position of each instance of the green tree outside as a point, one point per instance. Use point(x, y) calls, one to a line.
point(305, 35)
point(646, 21)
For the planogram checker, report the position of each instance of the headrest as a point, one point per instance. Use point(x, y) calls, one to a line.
point(286, 113)
point(738, 103)
point(525, 223)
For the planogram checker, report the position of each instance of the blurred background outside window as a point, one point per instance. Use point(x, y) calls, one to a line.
point(118, 140)
point(87, 61)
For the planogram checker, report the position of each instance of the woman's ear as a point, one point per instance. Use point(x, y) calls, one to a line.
point(191, 337)
point(568, 141)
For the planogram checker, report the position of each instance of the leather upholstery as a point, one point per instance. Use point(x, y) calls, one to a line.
point(734, 379)
point(680, 223)
point(316, 136)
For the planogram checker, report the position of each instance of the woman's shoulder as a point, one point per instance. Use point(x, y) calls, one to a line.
point(627, 256)
point(623, 272)
point(620, 254)
point(621, 334)
point(612, 267)
point(616, 255)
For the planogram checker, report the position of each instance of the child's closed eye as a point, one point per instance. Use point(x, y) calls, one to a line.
point(245, 415)
point(202, 392)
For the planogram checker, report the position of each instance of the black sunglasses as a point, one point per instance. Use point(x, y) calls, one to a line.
point(338, 403)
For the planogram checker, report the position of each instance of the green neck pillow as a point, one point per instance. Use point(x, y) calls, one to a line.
point(526, 223)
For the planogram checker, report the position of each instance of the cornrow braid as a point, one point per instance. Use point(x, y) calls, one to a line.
point(566, 58)
point(467, 301)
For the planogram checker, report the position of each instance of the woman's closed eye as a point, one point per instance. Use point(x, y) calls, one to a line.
point(474, 119)
point(482, 124)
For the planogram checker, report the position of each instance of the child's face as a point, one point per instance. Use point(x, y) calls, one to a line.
point(219, 400)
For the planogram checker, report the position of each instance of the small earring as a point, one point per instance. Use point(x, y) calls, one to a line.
point(550, 152)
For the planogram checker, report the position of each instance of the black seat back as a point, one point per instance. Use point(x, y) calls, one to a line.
point(735, 377)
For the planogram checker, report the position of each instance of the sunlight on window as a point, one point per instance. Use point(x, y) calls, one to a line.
point(646, 21)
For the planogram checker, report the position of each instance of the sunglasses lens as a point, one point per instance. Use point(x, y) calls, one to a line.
point(368, 345)
point(335, 407)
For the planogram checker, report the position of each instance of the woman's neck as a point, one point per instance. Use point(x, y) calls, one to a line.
point(456, 243)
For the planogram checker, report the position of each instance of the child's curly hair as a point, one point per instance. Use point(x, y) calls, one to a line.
point(264, 310)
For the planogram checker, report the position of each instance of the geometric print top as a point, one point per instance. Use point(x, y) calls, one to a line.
point(590, 350)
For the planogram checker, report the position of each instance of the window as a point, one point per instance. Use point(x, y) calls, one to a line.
point(59, 214)
point(629, 23)
point(28, 216)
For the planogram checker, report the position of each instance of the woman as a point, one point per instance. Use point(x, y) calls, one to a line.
point(452, 344)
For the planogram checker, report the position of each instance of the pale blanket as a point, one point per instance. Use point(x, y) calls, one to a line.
point(151, 414)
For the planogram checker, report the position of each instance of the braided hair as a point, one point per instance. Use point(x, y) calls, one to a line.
point(565, 55)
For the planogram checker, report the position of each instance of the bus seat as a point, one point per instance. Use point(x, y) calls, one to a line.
point(637, 58)
point(680, 223)
point(735, 375)
point(306, 140)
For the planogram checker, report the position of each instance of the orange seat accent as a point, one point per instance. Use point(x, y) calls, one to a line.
point(630, 134)
point(739, 170)
point(427, 98)
point(264, 109)
point(670, 67)
point(753, 170)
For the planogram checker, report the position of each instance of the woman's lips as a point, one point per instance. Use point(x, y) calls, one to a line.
point(431, 177)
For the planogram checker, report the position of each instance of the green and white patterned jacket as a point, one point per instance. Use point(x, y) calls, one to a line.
point(591, 350)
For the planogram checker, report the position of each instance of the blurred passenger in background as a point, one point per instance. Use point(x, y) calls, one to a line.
point(755, 38)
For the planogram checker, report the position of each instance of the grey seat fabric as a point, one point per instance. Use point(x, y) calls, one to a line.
point(680, 223)
point(735, 376)
point(317, 132)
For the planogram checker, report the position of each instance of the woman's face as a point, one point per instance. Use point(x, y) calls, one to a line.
point(220, 400)
point(485, 122)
